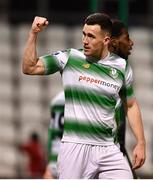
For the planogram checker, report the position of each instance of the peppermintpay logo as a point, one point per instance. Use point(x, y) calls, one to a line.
point(97, 81)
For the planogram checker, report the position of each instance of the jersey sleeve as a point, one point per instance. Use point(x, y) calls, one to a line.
point(55, 62)
point(128, 84)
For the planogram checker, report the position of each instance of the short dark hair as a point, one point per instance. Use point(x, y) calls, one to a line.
point(117, 27)
point(101, 19)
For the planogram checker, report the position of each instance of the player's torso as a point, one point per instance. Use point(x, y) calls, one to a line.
point(92, 94)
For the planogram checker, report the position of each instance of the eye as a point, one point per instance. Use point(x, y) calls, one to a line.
point(91, 36)
point(128, 38)
point(83, 33)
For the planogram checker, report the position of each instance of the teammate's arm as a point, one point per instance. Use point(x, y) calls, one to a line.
point(48, 173)
point(31, 64)
point(135, 121)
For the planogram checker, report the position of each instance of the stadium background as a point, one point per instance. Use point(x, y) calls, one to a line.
point(24, 100)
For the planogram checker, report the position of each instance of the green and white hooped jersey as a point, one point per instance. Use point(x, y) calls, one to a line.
point(91, 94)
point(55, 130)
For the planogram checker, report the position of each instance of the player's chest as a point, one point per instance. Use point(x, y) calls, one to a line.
point(93, 76)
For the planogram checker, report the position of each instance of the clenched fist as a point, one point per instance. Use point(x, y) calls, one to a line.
point(39, 24)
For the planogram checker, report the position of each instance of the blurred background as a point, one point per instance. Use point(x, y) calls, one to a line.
point(24, 100)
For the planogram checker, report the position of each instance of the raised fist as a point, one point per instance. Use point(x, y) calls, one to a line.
point(39, 24)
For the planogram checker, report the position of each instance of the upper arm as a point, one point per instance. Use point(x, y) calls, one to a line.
point(34, 68)
point(127, 91)
point(55, 62)
point(130, 102)
point(40, 68)
point(47, 64)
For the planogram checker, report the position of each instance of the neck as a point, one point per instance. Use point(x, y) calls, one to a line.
point(104, 53)
point(96, 59)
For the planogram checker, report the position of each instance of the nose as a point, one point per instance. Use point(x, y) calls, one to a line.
point(85, 40)
point(131, 43)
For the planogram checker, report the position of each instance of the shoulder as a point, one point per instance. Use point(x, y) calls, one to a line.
point(118, 60)
point(77, 53)
point(61, 52)
point(59, 99)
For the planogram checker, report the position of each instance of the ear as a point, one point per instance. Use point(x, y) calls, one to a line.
point(114, 42)
point(107, 40)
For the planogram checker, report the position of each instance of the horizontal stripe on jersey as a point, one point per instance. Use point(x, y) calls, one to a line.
point(53, 157)
point(81, 96)
point(86, 129)
point(93, 68)
point(57, 108)
point(55, 133)
point(129, 92)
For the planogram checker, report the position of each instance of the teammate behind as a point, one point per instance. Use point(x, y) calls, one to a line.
point(55, 132)
point(121, 44)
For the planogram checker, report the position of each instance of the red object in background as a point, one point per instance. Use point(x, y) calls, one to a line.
point(36, 154)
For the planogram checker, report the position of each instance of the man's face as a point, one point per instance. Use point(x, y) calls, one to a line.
point(94, 40)
point(124, 44)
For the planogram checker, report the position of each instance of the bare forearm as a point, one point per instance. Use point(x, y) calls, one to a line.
point(30, 54)
point(135, 121)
